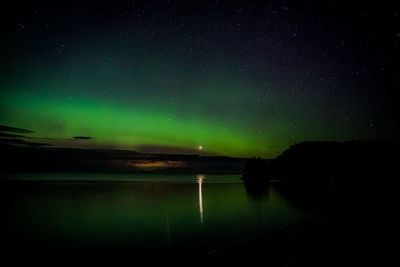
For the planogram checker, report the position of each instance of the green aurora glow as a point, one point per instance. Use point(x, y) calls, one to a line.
point(134, 78)
point(126, 127)
point(56, 118)
point(156, 105)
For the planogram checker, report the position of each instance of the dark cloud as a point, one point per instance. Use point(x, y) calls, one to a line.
point(8, 135)
point(82, 137)
point(4, 128)
point(13, 141)
point(7, 138)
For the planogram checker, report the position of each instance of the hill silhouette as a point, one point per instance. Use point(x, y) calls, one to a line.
point(356, 181)
point(327, 162)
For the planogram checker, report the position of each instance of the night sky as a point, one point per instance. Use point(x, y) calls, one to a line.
point(235, 78)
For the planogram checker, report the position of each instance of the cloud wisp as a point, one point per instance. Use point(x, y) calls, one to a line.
point(5, 128)
point(82, 138)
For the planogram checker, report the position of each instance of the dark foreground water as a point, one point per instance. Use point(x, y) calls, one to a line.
point(140, 213)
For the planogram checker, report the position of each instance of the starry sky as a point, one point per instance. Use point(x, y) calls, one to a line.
point(234, 78)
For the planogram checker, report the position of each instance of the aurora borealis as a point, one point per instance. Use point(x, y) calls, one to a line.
point(236, 78)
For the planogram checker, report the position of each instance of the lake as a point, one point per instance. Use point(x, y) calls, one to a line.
point(141, 213)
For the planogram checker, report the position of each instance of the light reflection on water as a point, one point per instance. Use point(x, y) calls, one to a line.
point(200, 178)
point(173, 212)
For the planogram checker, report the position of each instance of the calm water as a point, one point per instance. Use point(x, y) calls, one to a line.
point(142, 212)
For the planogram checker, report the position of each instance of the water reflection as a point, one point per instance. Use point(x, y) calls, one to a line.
point(168, 230)
point(200, 179)
point(142, 214)
point(257, 191)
